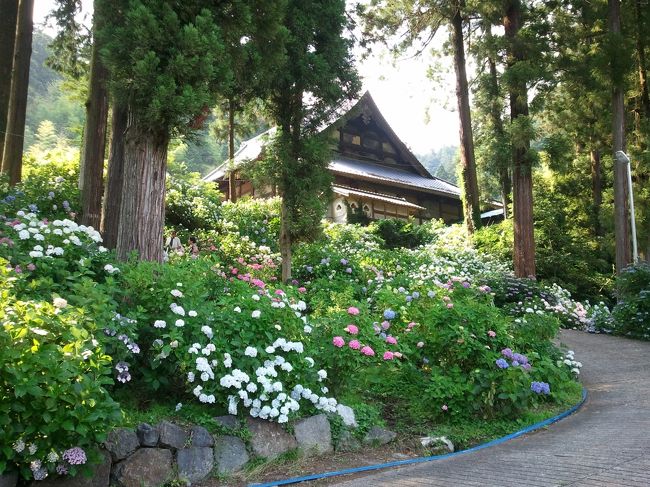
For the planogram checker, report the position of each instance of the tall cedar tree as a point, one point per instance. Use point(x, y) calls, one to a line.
point(415, 20)
point(493, 151)
point(166, 65)
point(621, 208)
point(12, 155)
point(522, 174)
point(110, 223)
point(318, 76)
point(254, 59)
point(9, 9)
point(91, 168)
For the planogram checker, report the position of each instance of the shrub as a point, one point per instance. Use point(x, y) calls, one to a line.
point(631, 315)
point(52, 395)
point(190, 203)
point(49, 187)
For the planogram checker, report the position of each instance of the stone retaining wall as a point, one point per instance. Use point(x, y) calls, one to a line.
point(151, 456)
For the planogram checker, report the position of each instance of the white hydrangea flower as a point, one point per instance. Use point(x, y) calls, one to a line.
point(256, 313)
point(159, 324)
point(192, 313)
point(180, 323)
point(255, 297)
point(176, 293)
point(250, 352)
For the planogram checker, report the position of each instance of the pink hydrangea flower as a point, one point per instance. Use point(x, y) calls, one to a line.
point(397, 355)
point(450, 305)
point(338, 342)
point(354, 344)
point(31, 266)
point(444, 407)
point(391, 340)
point(257, 282)
point(411, 324)
point(302, 290)
point(352, 329)
point(353, 311)
point(367, 351)
point(385, 325)
point(388, 355)
point(279, 292)
point(491, 334)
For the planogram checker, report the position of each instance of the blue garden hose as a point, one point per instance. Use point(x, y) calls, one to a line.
point(529, 429)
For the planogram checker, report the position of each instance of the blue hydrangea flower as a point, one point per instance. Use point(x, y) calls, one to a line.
point(502, 363)
point(540, 388)
point(415, 295)
point(389, 314)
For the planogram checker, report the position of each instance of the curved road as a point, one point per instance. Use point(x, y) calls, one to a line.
point(605, 444)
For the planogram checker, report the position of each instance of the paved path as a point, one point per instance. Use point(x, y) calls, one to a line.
point(605, 444)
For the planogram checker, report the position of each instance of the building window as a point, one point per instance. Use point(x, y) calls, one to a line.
point(351, 139)
point(371, 141)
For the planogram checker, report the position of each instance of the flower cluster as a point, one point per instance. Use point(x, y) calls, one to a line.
point(570, 362)
point(540, 388)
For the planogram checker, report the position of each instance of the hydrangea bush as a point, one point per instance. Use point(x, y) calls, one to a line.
point(54, 406)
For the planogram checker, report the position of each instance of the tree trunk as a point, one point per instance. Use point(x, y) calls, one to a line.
point(142, 209)
point(115, 177)
point(522, 178)
point(621, 224)
point(285, 243)
point(503, 168)
point(12, 157)
point(91, 170)
point(232, 180)
point(643, 68)
point(596, 190)
point(471, 206)
point(9, 9)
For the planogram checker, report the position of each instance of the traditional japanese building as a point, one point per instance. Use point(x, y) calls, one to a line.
point(373, 172)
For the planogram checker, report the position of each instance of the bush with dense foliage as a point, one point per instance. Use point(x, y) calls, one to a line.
point(631, 315)
point(429, 335)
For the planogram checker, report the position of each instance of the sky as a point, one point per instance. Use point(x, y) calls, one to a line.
point(422, 114)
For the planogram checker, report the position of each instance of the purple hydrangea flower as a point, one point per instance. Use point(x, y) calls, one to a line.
point(507, 353)
point(540, 388)
point(75, 456)
point(522, 359)
point(502, 364)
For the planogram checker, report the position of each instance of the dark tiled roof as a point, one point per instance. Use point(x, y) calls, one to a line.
point(369, 170)
point(345, 191)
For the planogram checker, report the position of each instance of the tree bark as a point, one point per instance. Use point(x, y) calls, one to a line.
point(142, 209)
point(91, 170)
point(12, 157)
point(115, 177)
point(621, 224)
point(471, 206)
point(503, 168)
point(232, 176)
point(8, 21)
point(596, 190)
point(522, 179)
point(643, 67)
point(285, 243)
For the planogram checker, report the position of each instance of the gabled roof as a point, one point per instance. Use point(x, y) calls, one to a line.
point(366, 106)
point(420, 179)
point(394, 176)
